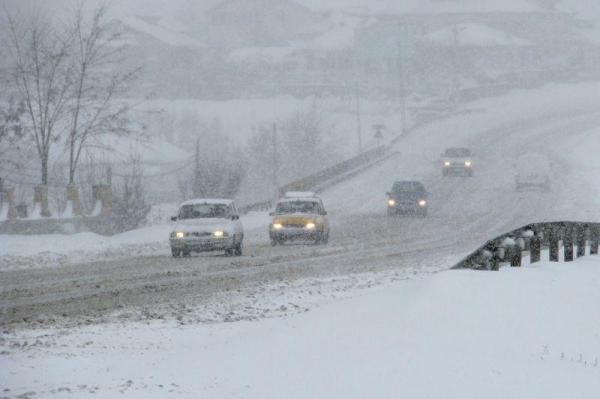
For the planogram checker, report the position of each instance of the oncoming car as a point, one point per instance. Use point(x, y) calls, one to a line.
point(457, 161)
point(299, 216)
point(407, 197)
point(207, 225)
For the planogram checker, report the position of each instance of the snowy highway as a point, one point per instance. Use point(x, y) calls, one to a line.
point(463, 213)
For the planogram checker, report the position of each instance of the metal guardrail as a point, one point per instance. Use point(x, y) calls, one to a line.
point(309, 183)
point(532, 238)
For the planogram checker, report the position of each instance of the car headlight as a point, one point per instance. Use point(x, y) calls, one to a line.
point(219, 233)
point(446, 163)
point(310, 225)
point(467, 163)
point(277, 226)
point(391, 202)
point(179, 234)
point(422, 203)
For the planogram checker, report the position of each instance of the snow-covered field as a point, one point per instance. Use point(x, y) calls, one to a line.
point(532, 332)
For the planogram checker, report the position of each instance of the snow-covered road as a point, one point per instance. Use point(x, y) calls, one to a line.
point(464, 212)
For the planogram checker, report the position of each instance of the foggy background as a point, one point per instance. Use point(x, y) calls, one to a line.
point(236, 98)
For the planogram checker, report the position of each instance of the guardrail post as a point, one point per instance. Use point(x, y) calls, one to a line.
point(553, 239)
point(493, 264)
point(594, 240)
point(515, 256)
point(581, 233)
point(568, 244)
point(535, 249)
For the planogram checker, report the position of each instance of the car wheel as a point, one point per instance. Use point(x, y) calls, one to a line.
point(273, 242)
point(186, 253)
point(325, 239)
point(175, 252)
point(237, 251)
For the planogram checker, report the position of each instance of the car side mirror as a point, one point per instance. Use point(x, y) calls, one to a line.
point(271, 213)
point(235, 217)
point(324, 213)
point(173, 218)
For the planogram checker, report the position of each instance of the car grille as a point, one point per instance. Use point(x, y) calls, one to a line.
point(200, 234)
point(294, 225)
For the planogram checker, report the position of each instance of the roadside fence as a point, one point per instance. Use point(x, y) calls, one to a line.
point(509, 248)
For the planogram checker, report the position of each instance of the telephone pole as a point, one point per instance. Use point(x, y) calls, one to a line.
point(196, 187)
point(358, 119)
point(275, 161)
point(402, 86)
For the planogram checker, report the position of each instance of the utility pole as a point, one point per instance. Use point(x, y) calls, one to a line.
point(402, 86)
point(196, 187)
point(358, 119)
point(455, 72)
point(275, 161)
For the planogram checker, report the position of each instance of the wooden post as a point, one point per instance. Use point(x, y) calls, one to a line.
point(535, 249)
point(594, 238)
point(553, 239)
point(568, 244)
point(581, 230)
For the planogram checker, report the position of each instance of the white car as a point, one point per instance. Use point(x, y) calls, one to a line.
point(533, 172)
point(207, 225)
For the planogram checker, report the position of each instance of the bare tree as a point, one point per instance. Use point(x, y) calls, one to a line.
point(11, 127)
point(130, 206)
point(100, 82)
point(40, 55)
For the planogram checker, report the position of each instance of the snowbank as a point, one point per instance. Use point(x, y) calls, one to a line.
point(17, 251)
point(531, 332)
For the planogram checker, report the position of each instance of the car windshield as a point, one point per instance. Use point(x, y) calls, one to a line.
point(458, 152)
point(297, 207)
point(199, 211)
point(409, 186)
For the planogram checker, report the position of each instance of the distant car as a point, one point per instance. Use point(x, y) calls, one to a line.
point(299, 216)
point(533, 172)
point(457, 161)
point(207, 225)
point(408, 197)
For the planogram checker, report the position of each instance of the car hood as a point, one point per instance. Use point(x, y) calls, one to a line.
point(297, 219)
point(203, 225)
